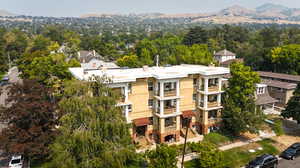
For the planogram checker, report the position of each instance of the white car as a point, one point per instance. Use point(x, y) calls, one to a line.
point(16, 162)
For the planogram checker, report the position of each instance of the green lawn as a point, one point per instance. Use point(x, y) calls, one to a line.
point(218, 138)
point(237, 157)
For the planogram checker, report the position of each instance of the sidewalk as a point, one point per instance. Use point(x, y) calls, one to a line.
point(262, 136)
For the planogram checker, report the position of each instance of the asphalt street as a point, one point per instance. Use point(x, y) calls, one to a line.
point(283, 163)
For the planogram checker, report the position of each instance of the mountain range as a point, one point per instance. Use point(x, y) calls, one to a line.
point(6, 13)
point(267, 13)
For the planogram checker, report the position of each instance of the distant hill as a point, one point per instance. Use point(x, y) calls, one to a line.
point(6, 13)
point(265, 14)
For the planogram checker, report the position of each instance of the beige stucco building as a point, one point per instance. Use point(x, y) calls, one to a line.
point(157, 101)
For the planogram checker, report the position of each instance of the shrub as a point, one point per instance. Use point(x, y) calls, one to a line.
point(277, 127)
point(162, 157)
point(209, 156)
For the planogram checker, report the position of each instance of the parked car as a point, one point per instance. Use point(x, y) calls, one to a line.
point(264, 161)
point(4, 81)
point(291, 152)
point(16, 161)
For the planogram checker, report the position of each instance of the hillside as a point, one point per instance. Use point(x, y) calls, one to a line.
point(6, 13)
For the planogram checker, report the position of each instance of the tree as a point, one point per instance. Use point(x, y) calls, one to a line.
point(286, 59)
point(31, 120)
point(93, 130)
point(209, 156)
point(162, 157)
point(128, 61)
point(196, 35)
point(240, 113)
point(293, 106)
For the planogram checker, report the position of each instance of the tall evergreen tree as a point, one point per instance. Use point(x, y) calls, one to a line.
point(94, 133)
point(240, 113)
point(293, 106)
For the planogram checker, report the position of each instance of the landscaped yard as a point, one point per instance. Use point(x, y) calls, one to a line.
point(237, 157)
point(218, 139)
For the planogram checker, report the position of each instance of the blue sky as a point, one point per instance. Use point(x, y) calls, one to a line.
point(79, 7)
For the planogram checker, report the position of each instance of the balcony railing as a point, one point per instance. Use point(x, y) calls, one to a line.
point(170, 128)
point(212, 104)
point(213, 88)
point(169, 93)
point(169, 110)
point(214, 120)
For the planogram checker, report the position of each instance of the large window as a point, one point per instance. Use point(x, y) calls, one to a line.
point(213, 114)
point(212, 98)
point(212, 82)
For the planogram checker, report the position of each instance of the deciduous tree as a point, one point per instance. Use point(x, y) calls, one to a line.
point(31, 120)
point(240, 113)
point(293, 106)
point(162, 157)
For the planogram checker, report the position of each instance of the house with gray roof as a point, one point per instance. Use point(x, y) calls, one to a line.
point(91, 60)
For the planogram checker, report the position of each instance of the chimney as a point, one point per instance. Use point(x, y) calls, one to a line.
point(145, 67)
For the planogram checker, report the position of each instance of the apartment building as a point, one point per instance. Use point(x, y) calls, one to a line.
point(280, 86)
point(158, 101)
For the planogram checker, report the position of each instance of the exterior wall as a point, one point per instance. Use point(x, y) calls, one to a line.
point(186, 94)
point(289, 94)
point(283, 95)
point(139, 98)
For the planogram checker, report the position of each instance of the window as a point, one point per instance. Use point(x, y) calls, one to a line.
point(129, 108)
point(213, 114)
point(212, 98)
point(260, 90)
point(194, 97)
point(150, 86)
point(150, 103)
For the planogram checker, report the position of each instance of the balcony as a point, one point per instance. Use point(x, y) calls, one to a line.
point(212, 104)
point(121, 99)
point(170, 128)
point(214, 120)
point(214, 88)
point(169, 110)
point(169, 93)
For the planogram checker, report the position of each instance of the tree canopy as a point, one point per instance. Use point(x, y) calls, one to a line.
point(240, 113)
point(93, 130)
point(162, 157)
point(31, 120)
point(293, 107)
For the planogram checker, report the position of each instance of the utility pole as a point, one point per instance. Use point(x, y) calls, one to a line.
point(9, 61)
point(157, 60)
point(185, 138)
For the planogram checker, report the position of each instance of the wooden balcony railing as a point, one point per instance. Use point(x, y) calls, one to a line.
point(170, 128)
point(214, 120)
point(170, 110)
point(169, 93)
point(212, 104)
point(213, 88)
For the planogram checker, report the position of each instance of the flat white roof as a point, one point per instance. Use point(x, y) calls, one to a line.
point(131, 74)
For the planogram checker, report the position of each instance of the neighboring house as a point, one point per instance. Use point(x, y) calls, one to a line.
point(92, 60)
point(280, 86)
point(158, 101)
point(225, 58)
point(262, 98)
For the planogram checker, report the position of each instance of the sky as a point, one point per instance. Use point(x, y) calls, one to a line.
point(79, 7)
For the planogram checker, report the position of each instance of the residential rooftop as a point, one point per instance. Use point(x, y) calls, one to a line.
point(131, 74)
point(279, 84)
point(295, 78)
